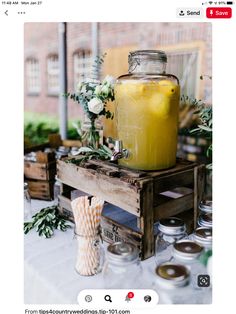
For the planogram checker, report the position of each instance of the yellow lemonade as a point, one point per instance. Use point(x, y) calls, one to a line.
point(147, 122)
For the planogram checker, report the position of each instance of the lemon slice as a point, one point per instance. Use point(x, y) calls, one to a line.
point(159, 105)
point(168, 88)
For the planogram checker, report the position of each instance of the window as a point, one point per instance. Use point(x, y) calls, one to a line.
point(82, 66)
point(184, 64)
point(32, 76)
point(53, 75)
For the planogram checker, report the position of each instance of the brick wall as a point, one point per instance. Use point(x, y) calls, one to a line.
point(41, 39)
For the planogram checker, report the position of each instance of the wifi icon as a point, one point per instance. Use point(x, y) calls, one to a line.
point(210, 2)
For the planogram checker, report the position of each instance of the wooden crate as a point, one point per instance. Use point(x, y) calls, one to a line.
point(42, 190)
point(147, 195)
point(40, 174)
point(40, 171)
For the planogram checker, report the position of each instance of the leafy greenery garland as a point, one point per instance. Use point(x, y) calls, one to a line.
point(88, 153)
point(46, 221)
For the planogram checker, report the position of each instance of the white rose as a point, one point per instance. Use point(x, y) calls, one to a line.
point(98, 90)
point(109, 80)
point(95, 105)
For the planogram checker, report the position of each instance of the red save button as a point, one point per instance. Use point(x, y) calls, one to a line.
point(219, 13)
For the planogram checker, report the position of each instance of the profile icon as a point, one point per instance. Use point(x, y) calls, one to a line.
point(181, 13)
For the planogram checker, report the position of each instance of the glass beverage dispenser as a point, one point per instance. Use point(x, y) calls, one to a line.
point(147, 106)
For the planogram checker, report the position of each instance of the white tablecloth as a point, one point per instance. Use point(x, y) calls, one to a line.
point(50, 277)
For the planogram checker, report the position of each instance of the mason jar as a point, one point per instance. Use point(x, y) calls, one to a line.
point(203, 236)
point(27, 203)
point(170, 230)
point(205, 220)
point(90, 254)
point(172, 284)
point(205, 207)
point(147, 108)
point(122, 268)
point(187, 253)
point(56, 190)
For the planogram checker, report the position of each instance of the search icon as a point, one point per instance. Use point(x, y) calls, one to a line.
point(108, 298)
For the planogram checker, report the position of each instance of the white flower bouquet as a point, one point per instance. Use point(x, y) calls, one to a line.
point(93, 95)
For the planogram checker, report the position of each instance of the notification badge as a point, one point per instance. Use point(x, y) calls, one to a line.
point(129, 296)
point(218, 13)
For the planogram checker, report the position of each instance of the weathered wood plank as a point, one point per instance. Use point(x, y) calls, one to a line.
point(65, 207)
point(110, 189)
point(169, 182)
point(173, 207)
point(181, 165)
point(187, 217)
point(146, 222)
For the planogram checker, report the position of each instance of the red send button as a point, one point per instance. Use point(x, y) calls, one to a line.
point(219, 13)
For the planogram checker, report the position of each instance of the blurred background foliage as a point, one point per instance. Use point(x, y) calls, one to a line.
point(37, 127)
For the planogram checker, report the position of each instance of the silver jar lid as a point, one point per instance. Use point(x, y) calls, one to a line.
point(172, 226)
point(26, 186)
point(122, 252)
point(186, 249)
point(206, 206)
point(173, 275)
point(205, 220)
point(203, 236)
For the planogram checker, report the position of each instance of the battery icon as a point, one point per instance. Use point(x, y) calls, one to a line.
point(229, 2)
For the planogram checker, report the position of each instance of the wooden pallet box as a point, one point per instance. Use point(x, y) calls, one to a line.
point(40, 174)
point(146, 195)
point(42, 190)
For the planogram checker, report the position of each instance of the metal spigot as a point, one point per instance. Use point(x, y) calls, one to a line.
point(119, 151)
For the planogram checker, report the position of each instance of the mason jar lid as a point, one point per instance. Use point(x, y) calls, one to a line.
point(172, 226)
point(158, 55)
point(121, 252)
point(205, 220)
point(203, 235)
point(174, 275)
point(186, 249)
point(206, 206)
